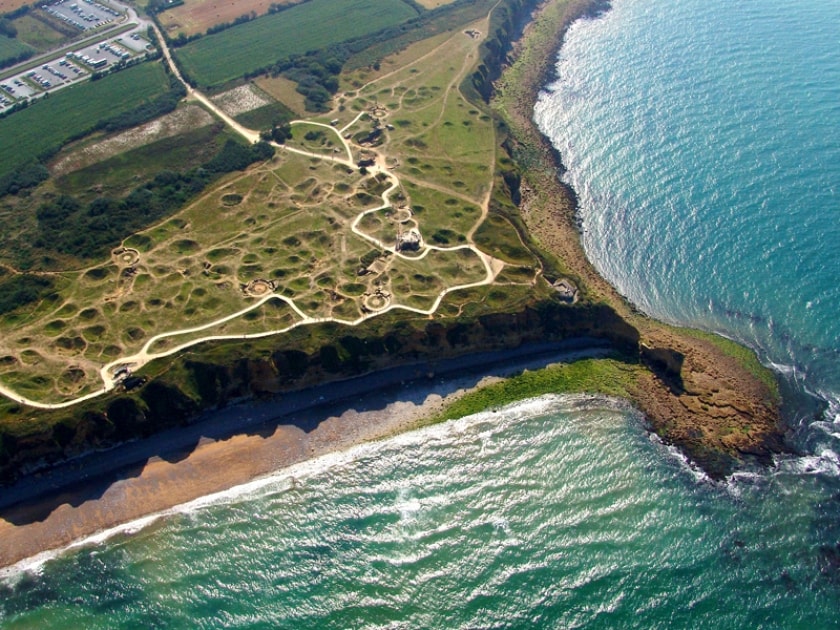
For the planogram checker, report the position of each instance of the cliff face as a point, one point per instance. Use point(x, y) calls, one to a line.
point(709, 397)
point(197, 385)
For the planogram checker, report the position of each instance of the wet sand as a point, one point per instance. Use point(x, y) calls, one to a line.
point(213, 466)
point(271, 435)
point(250, 441)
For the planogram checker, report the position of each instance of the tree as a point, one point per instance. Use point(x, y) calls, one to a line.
point(279, 133)
point(7, 28)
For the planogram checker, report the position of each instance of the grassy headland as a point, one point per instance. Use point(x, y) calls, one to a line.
point(708, 395)
point(608, 377)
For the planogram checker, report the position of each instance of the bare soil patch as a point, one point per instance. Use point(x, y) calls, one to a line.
point(244, 98)
point(289, 226)
point(10, 5)
point(179, 121)
point(259, 288)
point(196, 16)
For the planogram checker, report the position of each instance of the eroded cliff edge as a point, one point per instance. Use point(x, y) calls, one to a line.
point(703, 393)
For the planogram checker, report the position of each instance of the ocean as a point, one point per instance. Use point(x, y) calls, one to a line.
point(557, 512)
point(703, 139)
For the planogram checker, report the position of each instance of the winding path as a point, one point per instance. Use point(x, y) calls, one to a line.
point(107, 373)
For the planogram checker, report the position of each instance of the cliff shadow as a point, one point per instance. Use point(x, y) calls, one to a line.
point(667, 365)
point(35, 497)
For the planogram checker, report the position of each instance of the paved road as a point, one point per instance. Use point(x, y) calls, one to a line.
point(132, 21)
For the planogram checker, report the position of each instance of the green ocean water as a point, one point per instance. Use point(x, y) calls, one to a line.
point(556, 512)
point(702, 138)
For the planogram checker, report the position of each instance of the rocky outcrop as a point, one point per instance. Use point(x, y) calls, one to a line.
point(718, 405)
point(695, 395)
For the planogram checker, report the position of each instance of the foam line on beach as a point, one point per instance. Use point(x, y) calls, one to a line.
point(290, 477)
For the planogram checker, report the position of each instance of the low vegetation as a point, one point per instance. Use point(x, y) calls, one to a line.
point(20, 290)
point(34, 26)
point(66, 226)
point(589, 376)
point(12, 51)
point(173, 252)
point(23, 178)
point(188, 18)
point(113, 167)
point(386, 230)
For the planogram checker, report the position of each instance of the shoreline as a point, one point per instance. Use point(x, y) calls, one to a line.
point(249, 441)
point(704, 394)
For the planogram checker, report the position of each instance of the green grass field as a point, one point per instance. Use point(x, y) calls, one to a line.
point(118, 175)
point(54, 120)
point(11, 48)
point(215, 59)
point(266, 116)
point(609, 377)
point(309, 228)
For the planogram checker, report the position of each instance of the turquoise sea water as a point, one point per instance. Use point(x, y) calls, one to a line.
point(557, 512)
point(702, 138)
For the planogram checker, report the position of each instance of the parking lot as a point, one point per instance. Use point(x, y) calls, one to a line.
point(133, 41)
point(14, 89)
point(103, 54)
point(32, 83)
point(66, 68)
point(83, 14)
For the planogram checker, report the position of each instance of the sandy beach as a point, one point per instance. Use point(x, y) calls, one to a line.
point(244, 442)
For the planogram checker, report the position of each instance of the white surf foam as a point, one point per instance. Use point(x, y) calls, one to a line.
point(291, 477)
point(824, 461)
point(675, 455)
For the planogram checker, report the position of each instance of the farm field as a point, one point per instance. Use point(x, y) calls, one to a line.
point(196, 16)
point(36, 33)
point(7, 6)
point(224, 56)
point(307, 236)
point(50, 122)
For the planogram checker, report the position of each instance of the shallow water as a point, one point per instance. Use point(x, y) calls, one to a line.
point(703, 139)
